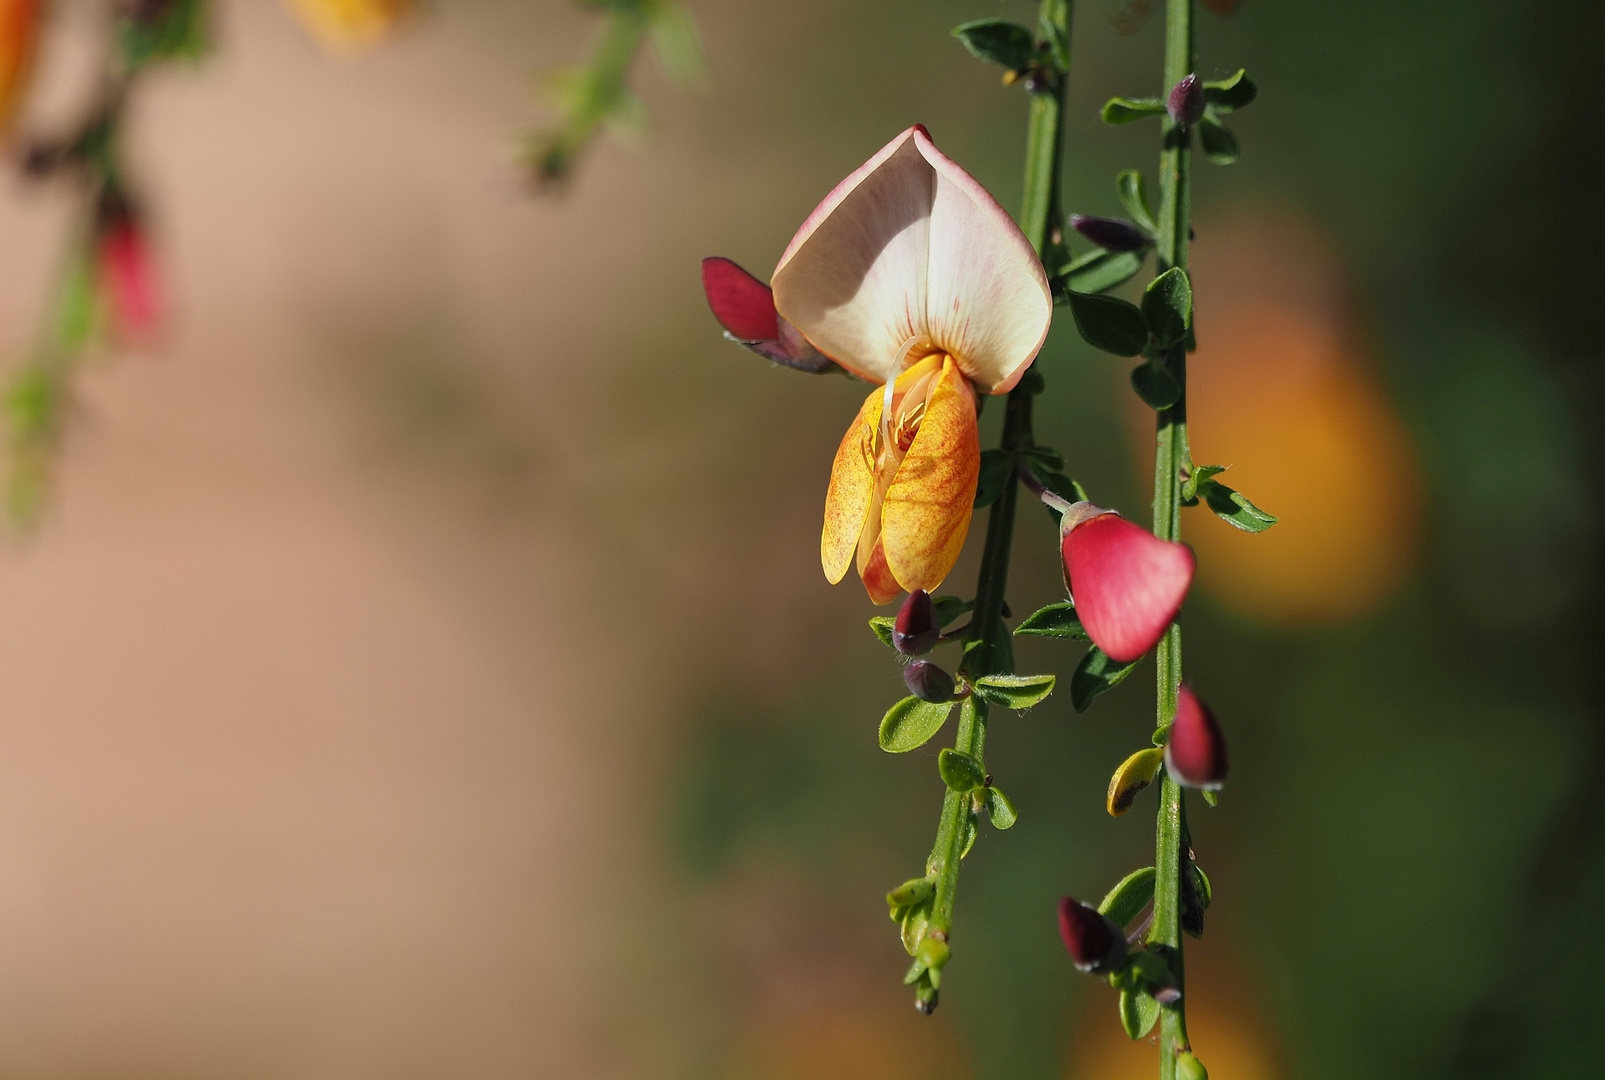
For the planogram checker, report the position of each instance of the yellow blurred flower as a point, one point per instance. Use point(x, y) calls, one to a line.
point(19, 34)
point(345, 26)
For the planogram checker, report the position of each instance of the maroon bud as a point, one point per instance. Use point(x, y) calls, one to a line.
point(1095, 944)
point(915, 632)
point(928, 682)
point(1111, 234)
point(1186, 101)
point(1195, 755)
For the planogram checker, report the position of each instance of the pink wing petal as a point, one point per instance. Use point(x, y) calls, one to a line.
point(987, 297)
point(1195, 755)
point(1127, 583)
point(742, 304)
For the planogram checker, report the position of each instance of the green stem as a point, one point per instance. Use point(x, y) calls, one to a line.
point(984, 654)
point(1170, 459)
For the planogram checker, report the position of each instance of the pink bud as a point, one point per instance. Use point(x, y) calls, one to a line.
point(1094, 943)
point(130, 279)
point(1127, 583)
point(745, 307)
point(1195, 756)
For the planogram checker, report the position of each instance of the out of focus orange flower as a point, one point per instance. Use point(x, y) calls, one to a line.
point(345, 26)
point(1279, 391)
point(19, 33)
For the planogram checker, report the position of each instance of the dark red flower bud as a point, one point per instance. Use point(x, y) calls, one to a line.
point(928, 682)
point(915, 632)
point(1195, 756)
point(745, 307)
point(1186, 101)
point(1095, 944)
point(1111, 234)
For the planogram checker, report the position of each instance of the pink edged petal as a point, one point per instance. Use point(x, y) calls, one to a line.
point(1127, 583)
point(743, 305)
point(853, 278)
point(987, 296)
point(882, 587)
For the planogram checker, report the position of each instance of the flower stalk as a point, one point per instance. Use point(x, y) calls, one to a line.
point(986, 649)
point(1171, 460)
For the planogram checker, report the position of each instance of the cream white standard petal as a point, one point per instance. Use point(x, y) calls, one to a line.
point(911, 249)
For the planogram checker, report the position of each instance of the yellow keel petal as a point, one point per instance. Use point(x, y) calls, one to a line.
point(852, 487)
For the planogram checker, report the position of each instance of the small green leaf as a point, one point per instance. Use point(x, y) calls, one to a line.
point(1211, 797)
point(1220, 145)
point(1127, 899)
point(77, 306)
point(969, 834)
point(960, 771)
point(1199, 474)
point(1152, 968)
point(1167, 307)
point(1018, 692)
point(910, 723)
point(1155, 385)
point(1000, 810)
point(911, 892)
point(1096, 675)
point(1229, 95)
point(1054, 39)
point(1231, 507)
point(1121, 110)
point(999, 41)
point(1055, 620)
point(1097, 271)
point(996, 465)
point(915, 922)
point(948, 608)
point(1138, 1013)
point(1109, 323)
point(1133, 191)
point(1044, 458)
point(882, 625)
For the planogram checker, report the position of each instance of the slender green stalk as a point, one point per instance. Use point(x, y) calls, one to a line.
point(1170, 459)
point(1039, 219)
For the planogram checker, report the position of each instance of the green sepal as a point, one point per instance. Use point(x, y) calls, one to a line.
point(996, 465)
point(910, 723)
point(1095, 272)
point(1129, 896)
point(1198, 475)
point(1018, 692)
point(998, 41)
point(911, 892)
point(1155, 384)
point(1139, 1012)
point(1095, 675)
point(882, 625)
point(1167, 307)
point(1056, 620)
point(1109, 323)
point(960, 772)
point(1220, 145)
point(1231, 507)
point(1230, 94)
point(999, 810)
point(1119, 110)
point(969, 834)
point(1133, 190)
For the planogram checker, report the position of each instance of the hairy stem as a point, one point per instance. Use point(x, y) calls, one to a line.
point(1170, 459)
point(984, 654)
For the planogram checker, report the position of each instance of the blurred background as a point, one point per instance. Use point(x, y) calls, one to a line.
point(422, 666)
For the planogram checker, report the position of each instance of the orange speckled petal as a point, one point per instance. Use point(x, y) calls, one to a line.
point(852, 486)
point(926, 513)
